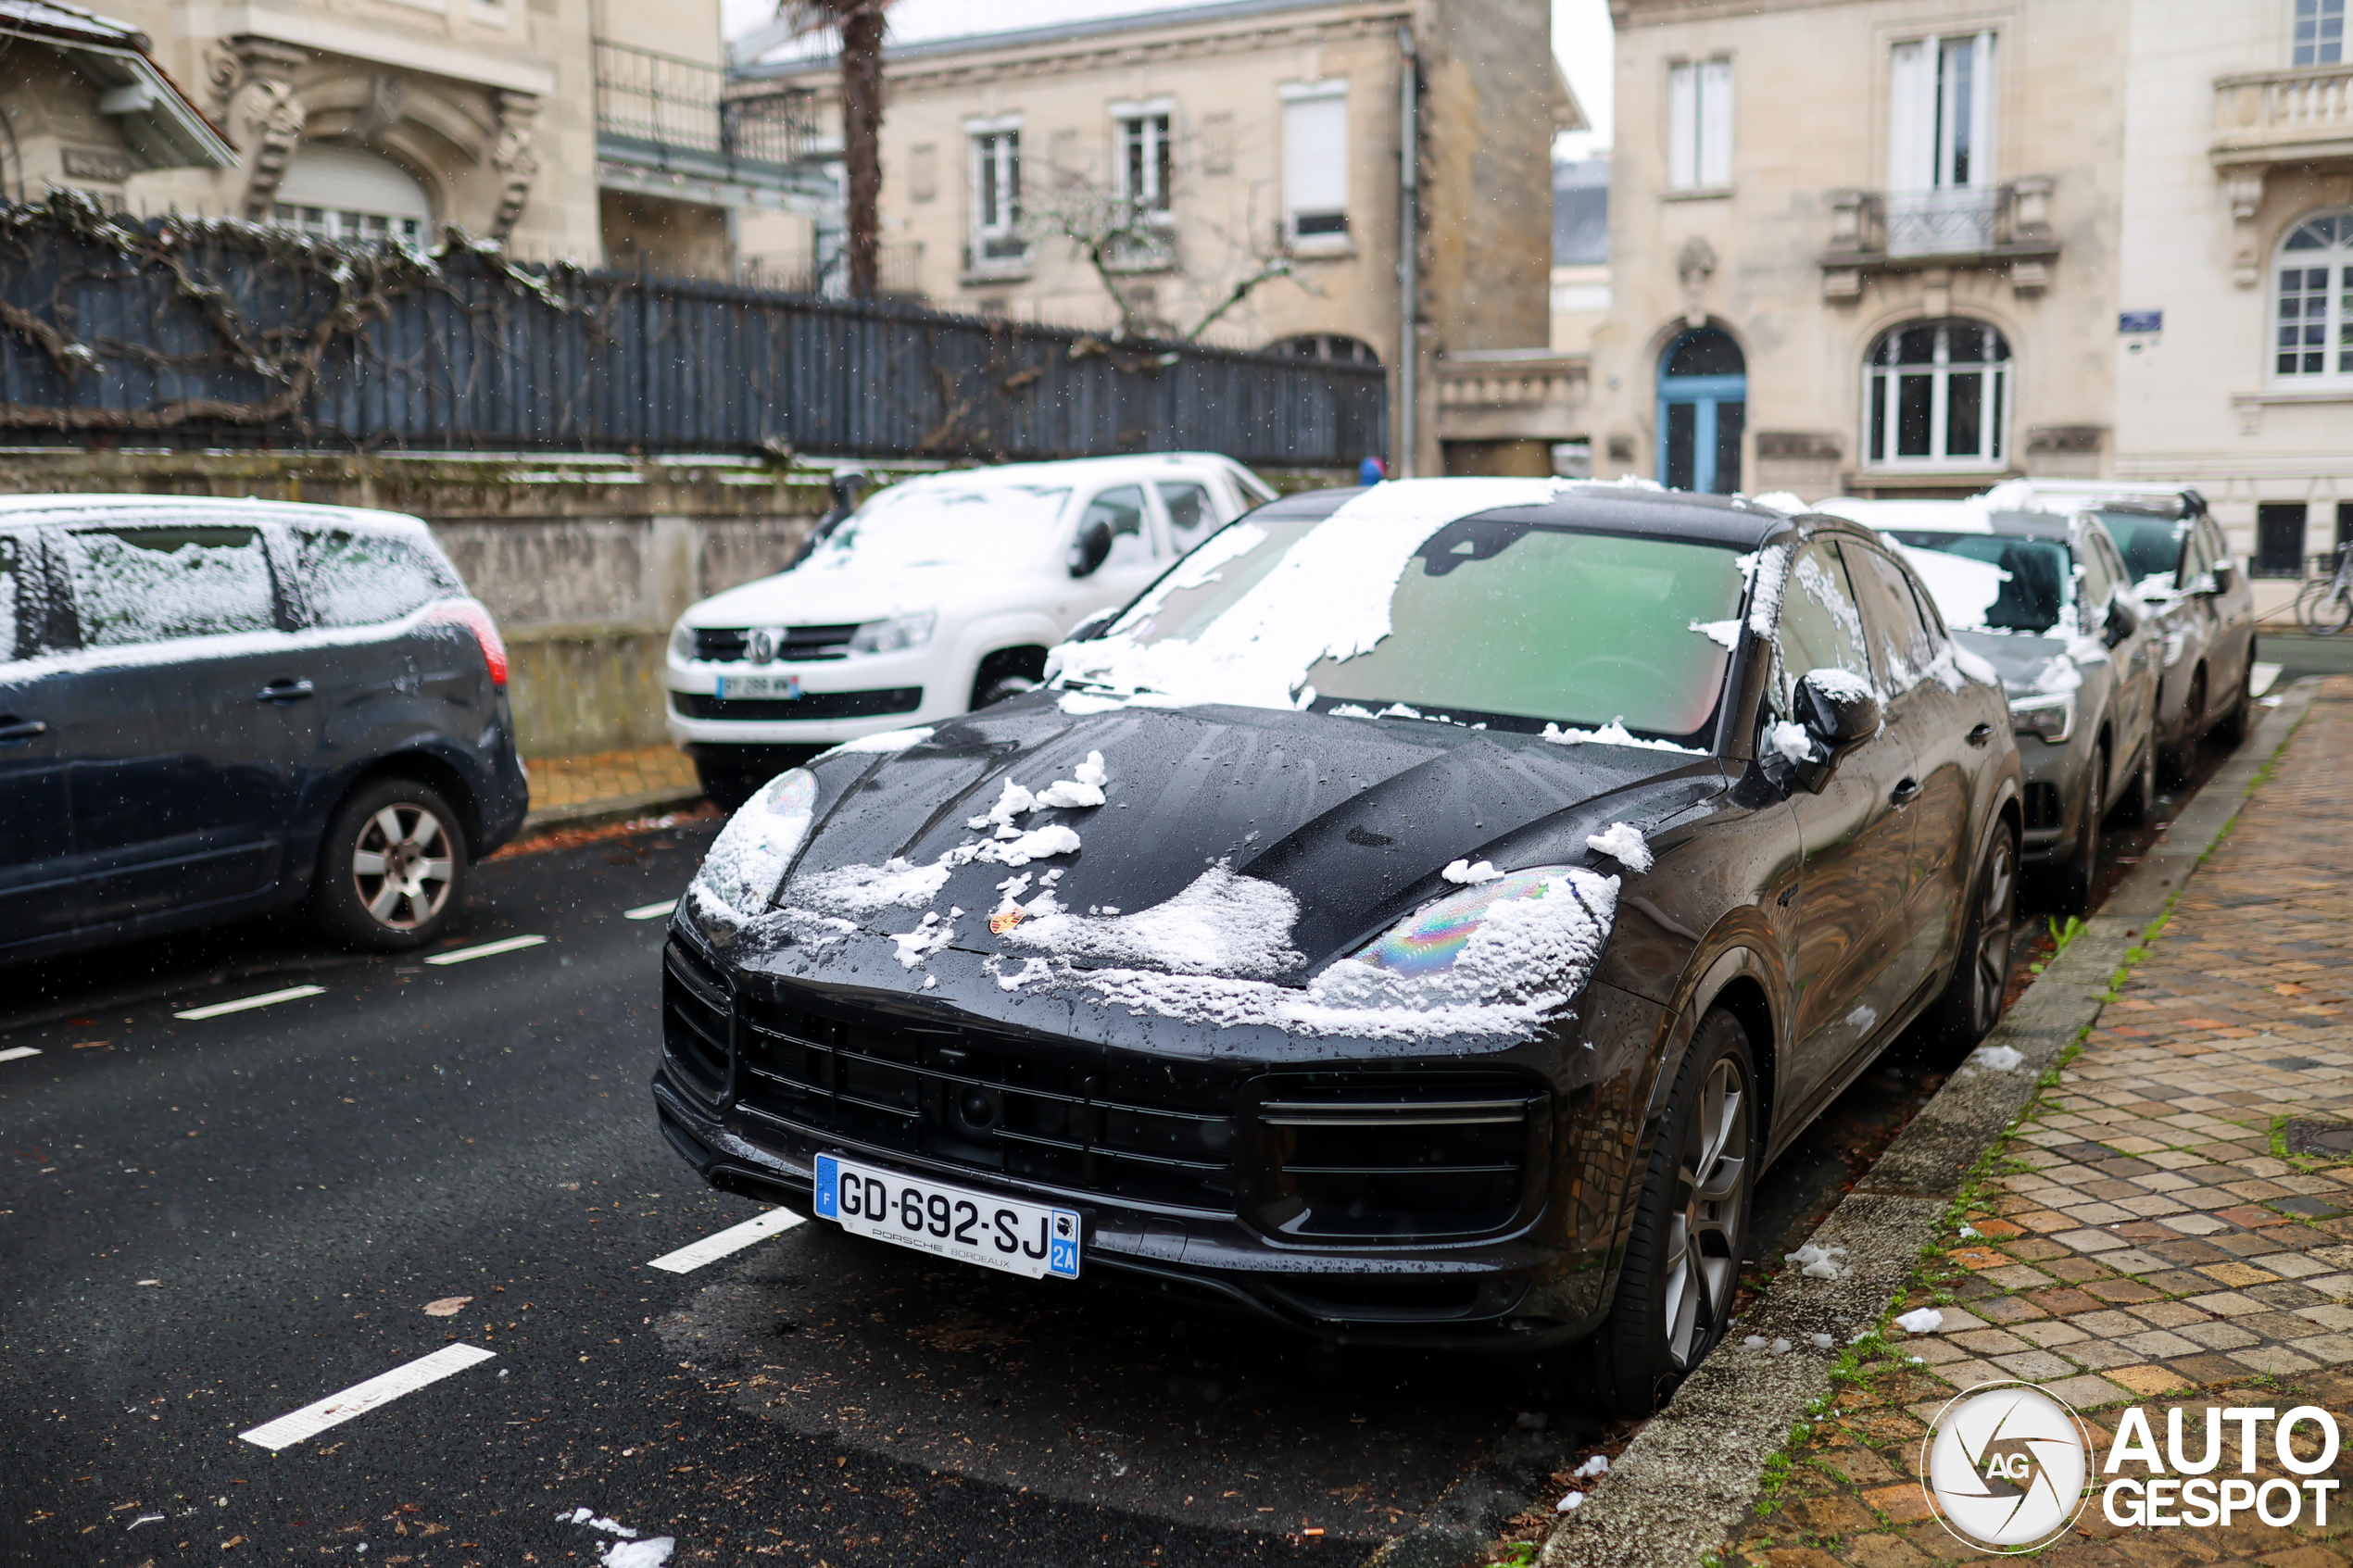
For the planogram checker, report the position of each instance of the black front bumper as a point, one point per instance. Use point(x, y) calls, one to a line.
point(1078, 1126)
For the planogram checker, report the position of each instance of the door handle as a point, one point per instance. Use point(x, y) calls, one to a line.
point(284, 691)
point(1904, 793)
point(1981, 734)
point(14, 730)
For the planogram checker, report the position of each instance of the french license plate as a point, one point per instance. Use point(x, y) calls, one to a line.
point(785, 687)
point(971, 1227)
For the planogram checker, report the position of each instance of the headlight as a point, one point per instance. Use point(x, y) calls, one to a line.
point(891, 637)
point(681, 643)
point(748, 857)
point(2051, 718)
point(1525, 936)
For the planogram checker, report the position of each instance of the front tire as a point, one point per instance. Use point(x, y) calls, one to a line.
point(1691, 1222)
point(2235, 726)
point(392, 868)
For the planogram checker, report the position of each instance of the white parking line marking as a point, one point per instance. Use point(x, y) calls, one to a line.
point(15, 1051)
point(362, 1398)
point(734, 1238)
point(243, 1004)
point(650, 911)
point(2260, 676)
point(507, 945)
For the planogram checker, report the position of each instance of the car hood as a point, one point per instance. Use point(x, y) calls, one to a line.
point(1354, 820)
point(831, 594)
point(2032, 666)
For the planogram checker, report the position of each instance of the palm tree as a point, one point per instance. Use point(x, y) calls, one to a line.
point(858, 24)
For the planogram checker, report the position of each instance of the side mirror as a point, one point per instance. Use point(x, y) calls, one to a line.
point(2123, 621)
point(2221, 574)
point(1090, 549)
point(1839, 711)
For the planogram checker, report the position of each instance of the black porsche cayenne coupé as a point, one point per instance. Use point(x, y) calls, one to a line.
point(1417, 918)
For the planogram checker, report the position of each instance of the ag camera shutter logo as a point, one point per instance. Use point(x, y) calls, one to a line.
point(2005, 1467)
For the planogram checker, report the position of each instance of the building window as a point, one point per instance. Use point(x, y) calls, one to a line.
point(1326, 345)
point(1315, 162)
point(1937, 393)
point(2279, 539)
point(1939, 145)
point(2312, 306)
point(349, 194)
point(2320, 32)
point(997, 195)
point(1699, 130)
point(1145, 171)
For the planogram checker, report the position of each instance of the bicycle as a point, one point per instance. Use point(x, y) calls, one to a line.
point(2324, 606)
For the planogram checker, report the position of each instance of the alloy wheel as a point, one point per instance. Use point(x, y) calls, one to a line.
point(402, 866)
point(1703, 1253)
point(1997, 910)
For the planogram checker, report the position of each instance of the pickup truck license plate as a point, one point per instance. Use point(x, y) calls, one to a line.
point(785, 687)
point(950, 1221)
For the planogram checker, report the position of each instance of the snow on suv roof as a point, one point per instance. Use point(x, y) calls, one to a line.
point(1085, 471)
point(30, 507)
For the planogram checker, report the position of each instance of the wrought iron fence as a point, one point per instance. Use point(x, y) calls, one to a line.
point(666, 104)
point(227, 335)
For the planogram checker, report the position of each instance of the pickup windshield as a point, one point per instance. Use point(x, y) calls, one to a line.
point(975, 525)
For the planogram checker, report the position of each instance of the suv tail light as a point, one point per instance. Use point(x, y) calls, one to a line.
point(474, 618)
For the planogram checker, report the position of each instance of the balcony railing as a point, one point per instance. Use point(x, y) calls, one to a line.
point(1971, 226)
point(666, 112)
point(2284, 116)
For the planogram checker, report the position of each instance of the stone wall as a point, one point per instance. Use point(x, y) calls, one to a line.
point(585, 561)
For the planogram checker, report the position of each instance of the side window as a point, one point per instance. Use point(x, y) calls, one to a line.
point(1820, 628)
point(14, 594)
point(1124, 510)
point(146, 584)
point(358, 577)
point(1903, 646)
point(1191, 516)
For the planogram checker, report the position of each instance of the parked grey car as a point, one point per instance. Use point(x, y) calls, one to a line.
point(2049, 601)
point(2201, 611)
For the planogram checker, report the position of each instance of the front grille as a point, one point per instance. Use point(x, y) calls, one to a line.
point(1365, 1158)
point(1064, 1113)
point(2043, 808)
point(814, 705)
point(695, 1012)
point(731, 645)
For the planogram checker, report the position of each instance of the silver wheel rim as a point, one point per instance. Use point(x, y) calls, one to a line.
point(402, 866)
point(1992, 974)
point(1703, 1252)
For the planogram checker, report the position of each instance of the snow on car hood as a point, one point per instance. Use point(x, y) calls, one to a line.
point(1236, 853)
point(835, 594)
point(2032, 666)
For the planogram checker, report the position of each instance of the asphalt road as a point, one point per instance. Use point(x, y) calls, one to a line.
point(208, 1224)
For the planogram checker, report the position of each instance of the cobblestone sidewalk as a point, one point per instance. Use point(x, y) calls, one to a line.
point(2170, 1226)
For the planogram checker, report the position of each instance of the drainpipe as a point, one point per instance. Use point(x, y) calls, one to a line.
point(1408, 246)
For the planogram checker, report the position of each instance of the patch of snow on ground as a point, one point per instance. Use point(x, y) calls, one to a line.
point(651, 1553)
point(1614, 732)
point(1470, 875)
point(1624, 843)
point(1997, 1059)
point(1597, 1465)
point(1817, 1262)
point(1926, 1320)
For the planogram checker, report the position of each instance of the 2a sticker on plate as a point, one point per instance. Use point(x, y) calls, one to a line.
point(986, 1228)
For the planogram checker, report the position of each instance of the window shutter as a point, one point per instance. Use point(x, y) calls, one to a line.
point(1315, 155)
point(1911, 119)
point(1683, 126)
point(1716, 123)
point(1982, 113)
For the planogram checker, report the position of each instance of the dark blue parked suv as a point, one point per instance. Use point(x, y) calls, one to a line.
point(212, 708)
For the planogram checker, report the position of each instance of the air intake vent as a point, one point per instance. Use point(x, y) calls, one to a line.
point(1372, 1160)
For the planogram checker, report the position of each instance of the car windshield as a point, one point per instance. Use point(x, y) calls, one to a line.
point(1993, 582)
point(1515, 623)
point(947, 525)
point(2152, 545)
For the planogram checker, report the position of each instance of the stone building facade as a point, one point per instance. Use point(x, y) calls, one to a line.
point(591, 130)
point(1881, 249)
point(1261, 136)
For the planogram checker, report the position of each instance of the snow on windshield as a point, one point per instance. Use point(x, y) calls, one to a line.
point(948, 522)
point(1406, 602)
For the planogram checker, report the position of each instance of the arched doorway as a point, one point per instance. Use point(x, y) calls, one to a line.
point(1703, 408)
